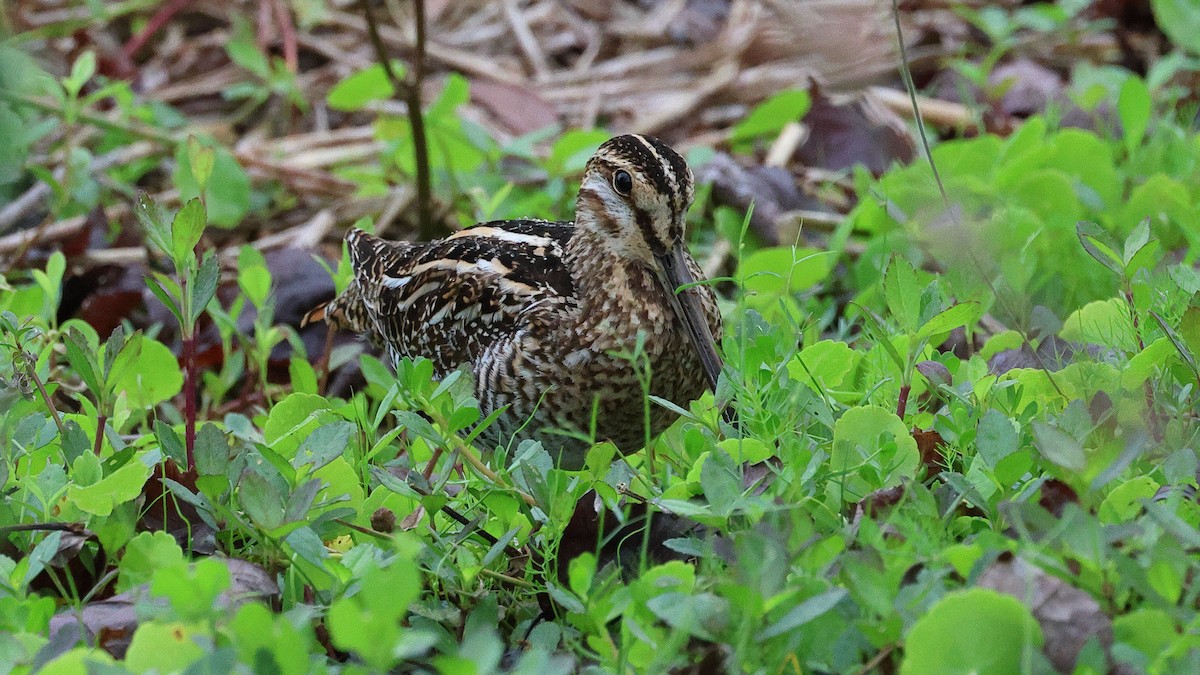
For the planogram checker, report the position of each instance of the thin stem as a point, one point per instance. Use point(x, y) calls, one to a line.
point(411, 92)
point(189, 398)
point(37, 382)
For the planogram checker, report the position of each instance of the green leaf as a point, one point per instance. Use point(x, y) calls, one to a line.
point(165, 297)
point(227, 192)
point(200, 161)
point(962, 314)
point(418, 425)
point(204, 287)
point(876, 439)
point(164, 647)
point(254, 278)
point(1058, 446)
point(154, 221)
point(996, 438)
point(261, 501)
point(1104, 322)
point(804, 612)
point(784, 269)
point(212, 451)
point(112, 347)
point(323, 445)
point(367, 85)
point(769, 117)
point(367, 623)
point(1095, 242)
point(144, 555)
point(120, 486)
point(170, 442)
point(41, 554)
point(83, 360)
point(150, 377)
point(1180, 20)
point(186, 231)
point(902, 291)
point(1136, 240)
point(824, 364)
point(1133, 107)
point(947, 640)
point(81, 71)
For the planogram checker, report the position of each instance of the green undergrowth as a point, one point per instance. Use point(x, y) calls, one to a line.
point(857, 513)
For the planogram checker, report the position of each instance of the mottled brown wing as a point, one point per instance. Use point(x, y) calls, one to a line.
point(451, 299)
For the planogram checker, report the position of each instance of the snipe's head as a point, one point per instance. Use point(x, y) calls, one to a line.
point(635, 193)
point(633, 199)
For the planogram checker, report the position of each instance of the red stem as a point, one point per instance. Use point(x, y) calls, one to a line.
point(902, 404)
point(101, 420)
point(155, 24)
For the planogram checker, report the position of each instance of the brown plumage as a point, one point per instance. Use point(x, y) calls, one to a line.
point(546, 313)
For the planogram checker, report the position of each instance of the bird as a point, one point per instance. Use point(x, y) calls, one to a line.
point(545, 314)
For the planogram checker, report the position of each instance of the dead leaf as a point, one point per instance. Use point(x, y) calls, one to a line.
point(518, 108)
point(1069, 617)
point(110, 624)
point(856, 131)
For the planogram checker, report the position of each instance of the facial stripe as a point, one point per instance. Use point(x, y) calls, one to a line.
point(646, 224)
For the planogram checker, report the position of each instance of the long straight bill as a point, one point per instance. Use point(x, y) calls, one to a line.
point(687, 307)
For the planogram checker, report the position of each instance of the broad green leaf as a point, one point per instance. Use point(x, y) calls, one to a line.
point(769, 117)
point(1143, 365)
point(145, 555)
point(903, 290)
point(784, 269)
point(120, 486)
point(323, 444)
point(875, 450)
point(1180, 20)
point(150, 378)
point(228, 191)
point(1136, 240)
point(253, 276)
point(1125, 501)
point(186, 230)
point(367, 85)
point(996, 438)
point(164, 647)
point(201, 161)
point(260, 499)
point(1133, 107)
point(292, 419)
point(212, 451)
point(823, 365)
point(962, 314)
point(1104, 322)
point(946, 640)
point(367, 623)
point(1059, 447)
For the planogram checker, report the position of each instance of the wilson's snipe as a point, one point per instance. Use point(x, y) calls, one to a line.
point(546, 313)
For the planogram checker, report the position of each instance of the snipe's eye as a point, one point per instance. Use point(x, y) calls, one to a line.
point(622, 182)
